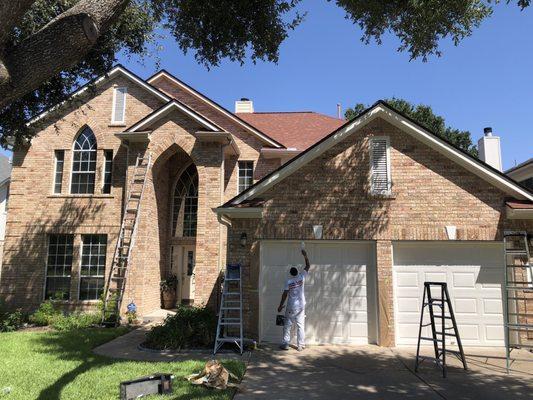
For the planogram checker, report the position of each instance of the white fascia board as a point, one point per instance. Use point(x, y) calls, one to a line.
point(98, 81)
point(453, 154)
point(217, 107)
point(513, 213)
point(235, 213)
point(165, 109)
point(268, 152)
point(405, 125)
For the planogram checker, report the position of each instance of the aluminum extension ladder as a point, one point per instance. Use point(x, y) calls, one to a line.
point(116, 281)
point(518, 322)
point(229, 327)
point(439, 337)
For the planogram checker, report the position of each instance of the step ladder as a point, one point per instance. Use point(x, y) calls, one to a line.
point(438, 337)
point(518, 281)
point(229, 327)
point(116, 281)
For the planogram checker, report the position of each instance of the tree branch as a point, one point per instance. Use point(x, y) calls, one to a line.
point(60, 44)
point(11, 12)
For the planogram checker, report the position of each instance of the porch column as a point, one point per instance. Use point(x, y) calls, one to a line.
point(385, 296)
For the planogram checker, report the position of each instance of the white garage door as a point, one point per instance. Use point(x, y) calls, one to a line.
point(337, 291)
point(474, 275)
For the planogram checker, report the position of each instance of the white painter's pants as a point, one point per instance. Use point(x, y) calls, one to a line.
point(294, 317)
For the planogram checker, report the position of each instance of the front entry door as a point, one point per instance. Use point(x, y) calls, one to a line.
point(184, 256)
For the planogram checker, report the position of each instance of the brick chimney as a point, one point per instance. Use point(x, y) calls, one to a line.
point(489, 149)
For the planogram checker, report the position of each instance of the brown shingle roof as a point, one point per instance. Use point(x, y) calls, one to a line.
point(298, 129)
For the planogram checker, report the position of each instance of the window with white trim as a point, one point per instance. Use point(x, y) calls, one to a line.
point(185, 203)
point(84, 163)
point(108, 171)
point(59, 267)
point(59, 156)
point(92, 271)
point(246, 175)
point(118, 113)
point(380, 174)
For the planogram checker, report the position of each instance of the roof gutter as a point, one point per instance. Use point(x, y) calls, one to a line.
point(239, 213)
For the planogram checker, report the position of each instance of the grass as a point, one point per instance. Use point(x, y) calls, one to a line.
point(61, 365)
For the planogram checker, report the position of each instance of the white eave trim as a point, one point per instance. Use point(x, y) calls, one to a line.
point(116, 70)
point(279, 153)
point(134, 137)
point(380, 110)
point(166, 109)
point(235, 212)
point(517, 213)
point(217, 107)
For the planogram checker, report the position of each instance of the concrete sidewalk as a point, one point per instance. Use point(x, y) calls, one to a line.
point(371, 372)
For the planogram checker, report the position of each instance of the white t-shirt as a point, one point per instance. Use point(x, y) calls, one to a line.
point(295, 286)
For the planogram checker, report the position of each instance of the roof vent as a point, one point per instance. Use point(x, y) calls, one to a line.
point(244, 105)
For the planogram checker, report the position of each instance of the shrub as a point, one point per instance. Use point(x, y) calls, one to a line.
point(75, 321)
point(13, 321)
point(45, 314)
point(190, 327)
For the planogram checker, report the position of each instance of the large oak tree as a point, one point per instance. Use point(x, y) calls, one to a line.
point(47, 47)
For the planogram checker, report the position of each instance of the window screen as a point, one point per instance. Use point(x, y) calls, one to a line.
point(108, 171)
point(58, 173)
point(92, 274)
point(59, 267)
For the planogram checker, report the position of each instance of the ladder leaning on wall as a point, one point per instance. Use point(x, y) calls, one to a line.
point(518, 293)
point(116, 281)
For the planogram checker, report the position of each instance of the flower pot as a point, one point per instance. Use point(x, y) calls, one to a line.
point(168, 298)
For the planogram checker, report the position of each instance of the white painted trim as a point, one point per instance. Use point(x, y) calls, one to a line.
point(217, 107)
point(109, 75)
point(517, 213)
point(248, 212)
point(113, 116)
point(388, 161)
point(408, 127)
point(203, 121)
point(279, 153)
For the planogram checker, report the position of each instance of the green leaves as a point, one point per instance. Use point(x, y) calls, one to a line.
point(425, 116)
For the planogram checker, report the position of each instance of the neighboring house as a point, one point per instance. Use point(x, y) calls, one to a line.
point(5, 177)
point(522, 173)
point(377, 200)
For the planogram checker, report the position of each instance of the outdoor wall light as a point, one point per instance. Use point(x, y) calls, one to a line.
point(244, 239)
point(317, 231)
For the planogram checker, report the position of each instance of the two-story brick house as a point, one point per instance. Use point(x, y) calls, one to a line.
point(382, 203)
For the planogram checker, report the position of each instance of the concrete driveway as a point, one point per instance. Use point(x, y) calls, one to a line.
point(371, 372)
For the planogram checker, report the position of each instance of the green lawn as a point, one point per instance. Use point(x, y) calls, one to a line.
point(60, 365)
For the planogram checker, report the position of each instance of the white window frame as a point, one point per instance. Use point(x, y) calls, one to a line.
point(239, 174)
point(83, 172)
point(91, 276)
point(54, 181)
point(388, 161)
point(113, 116)
point(46, 276)
point(104, 171)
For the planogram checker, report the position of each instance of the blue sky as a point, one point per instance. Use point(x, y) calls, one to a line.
point(486, 81)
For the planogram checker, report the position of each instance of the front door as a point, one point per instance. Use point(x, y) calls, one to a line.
point(183, 266)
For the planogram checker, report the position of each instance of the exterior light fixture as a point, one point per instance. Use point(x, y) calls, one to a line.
point(317, 231)
point(244, 239)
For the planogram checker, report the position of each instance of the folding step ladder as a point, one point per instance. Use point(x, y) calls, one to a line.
point(518, 293)
point(116, 281)
point(439, 336)
point(229, 327)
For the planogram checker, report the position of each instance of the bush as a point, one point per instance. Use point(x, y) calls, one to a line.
point(190, 327)
point(10, 322)
point(45, 314)
point(75, 321)
point(48, 315)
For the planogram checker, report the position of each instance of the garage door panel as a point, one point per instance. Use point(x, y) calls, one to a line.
point(336, 292)
point(474, 277)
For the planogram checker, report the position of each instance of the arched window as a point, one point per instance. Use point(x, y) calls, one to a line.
point(84, 163)
point(185, 203)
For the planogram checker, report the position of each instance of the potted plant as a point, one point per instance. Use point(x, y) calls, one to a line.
point(168, 291)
